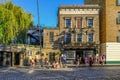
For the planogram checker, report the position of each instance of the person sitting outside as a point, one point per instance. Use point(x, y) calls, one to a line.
point(55, 65)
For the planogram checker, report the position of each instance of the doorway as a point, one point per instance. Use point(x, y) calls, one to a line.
point(52, 57)
point(17, 59)
point(79, 54)
point(1, 59)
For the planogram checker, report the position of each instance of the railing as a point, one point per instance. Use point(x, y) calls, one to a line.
point(80, 44)
point(80, 30)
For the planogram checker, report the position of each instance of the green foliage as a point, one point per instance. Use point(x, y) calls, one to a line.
point(14, 22)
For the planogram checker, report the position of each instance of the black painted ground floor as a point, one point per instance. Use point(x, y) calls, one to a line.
point(73, 55)
point(7, 58)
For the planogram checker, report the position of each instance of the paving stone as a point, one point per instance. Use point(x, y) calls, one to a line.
point(83, 73)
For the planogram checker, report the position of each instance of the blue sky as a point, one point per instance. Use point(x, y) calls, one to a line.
point(48, 9)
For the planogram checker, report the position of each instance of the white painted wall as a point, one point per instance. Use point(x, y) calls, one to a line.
point(79, 11)
point(112, 51)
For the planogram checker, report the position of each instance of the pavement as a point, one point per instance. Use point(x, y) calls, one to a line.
point(75, 73)
point(94, 65)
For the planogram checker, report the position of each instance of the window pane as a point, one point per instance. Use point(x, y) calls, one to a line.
point(90, 37)
point(118, 2)
point(118, 19)
point(118, 14)
point(68, 22)
point(67, 38)
point(79, 38)
point(119, 36)
point(30, 53)
point(51, 36)
point(79, 23)
point(90, 22)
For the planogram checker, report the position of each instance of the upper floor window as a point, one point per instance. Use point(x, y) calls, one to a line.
point(118, 2)
point(119, 36)
point(51, 36)
point(118, 18)
point(79, 38)
point(90, 22)
point(118, 14)
point(30, 53)
point(79, 23)
point(67, 38)
point(90, 37)
point(68, 22)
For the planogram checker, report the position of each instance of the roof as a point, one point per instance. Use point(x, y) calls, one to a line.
point(51, 28)
point(79, 6)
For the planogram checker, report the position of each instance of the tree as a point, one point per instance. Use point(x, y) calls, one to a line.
point(14, 22)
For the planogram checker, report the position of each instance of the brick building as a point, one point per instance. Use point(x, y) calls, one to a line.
point(109, 29)
point(77, 33)
point(83, 30)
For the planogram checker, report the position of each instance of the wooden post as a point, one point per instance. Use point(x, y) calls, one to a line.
point(12, 59)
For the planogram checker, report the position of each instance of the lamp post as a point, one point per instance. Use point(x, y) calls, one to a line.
point(39, 24)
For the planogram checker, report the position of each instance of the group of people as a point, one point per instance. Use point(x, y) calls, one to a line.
point(61, 62)
point(45, 62)
point(42, 62)
point(91, 60)
point(56, 64)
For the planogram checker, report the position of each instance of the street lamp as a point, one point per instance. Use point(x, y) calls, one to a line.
point(39, 24)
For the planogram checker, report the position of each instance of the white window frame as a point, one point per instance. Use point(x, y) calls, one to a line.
point(29, 53)
point(65, 38)
point(77, 38)
point(93, 37)
point(65, 22)
point(87, 21)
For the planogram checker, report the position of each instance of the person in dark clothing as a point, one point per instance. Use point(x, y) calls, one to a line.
point(90, 62)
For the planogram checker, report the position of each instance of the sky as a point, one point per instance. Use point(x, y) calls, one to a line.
point(48, 9)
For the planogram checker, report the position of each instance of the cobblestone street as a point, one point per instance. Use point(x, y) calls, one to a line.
point(82, 73)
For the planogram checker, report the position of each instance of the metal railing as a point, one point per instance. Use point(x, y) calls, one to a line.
point(80, 44)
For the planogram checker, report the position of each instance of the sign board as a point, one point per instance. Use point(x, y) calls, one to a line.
point(70, 54)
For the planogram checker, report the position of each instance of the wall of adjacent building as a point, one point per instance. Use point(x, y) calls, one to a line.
point(103, 49)
point(112, 27)
point(109, 14)
point(113, 53)
point(46, 38)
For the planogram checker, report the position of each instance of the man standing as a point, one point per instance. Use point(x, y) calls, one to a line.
point(63, 59)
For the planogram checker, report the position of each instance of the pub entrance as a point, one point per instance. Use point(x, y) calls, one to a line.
point(82, 54)
point(79, 55)
point(73, 55)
